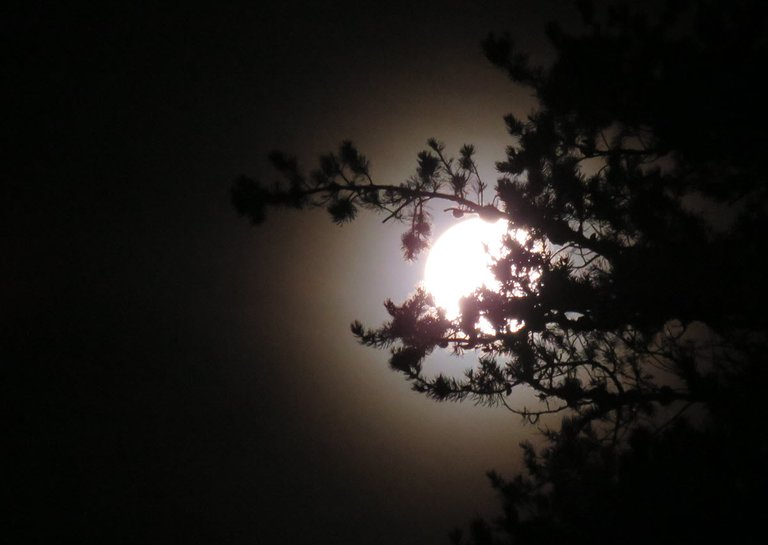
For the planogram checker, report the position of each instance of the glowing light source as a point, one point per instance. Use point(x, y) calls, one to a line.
point(459, 259)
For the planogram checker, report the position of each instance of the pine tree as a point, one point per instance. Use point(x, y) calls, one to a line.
point(640, 185)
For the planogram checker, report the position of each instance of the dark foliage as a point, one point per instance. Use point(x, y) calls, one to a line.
point(638, 293)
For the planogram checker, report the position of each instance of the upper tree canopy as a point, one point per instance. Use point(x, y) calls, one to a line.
point(638, 180)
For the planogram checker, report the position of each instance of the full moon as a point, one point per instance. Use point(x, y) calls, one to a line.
point(458, 262)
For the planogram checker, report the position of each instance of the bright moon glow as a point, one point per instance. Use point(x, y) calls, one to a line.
point(458, 262)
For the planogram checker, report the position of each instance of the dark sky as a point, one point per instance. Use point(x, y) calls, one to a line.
point(169, 373)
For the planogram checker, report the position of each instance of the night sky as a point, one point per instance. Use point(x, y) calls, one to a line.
point(171, 374)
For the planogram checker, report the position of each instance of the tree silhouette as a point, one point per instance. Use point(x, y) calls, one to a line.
point(637, 292)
